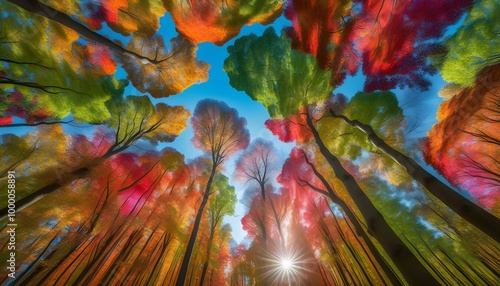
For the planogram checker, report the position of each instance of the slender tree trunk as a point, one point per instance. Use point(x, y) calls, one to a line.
point(26, 275)
point(277, 219)
point(34, 124)
point(165, 241)
point(55, 15)
point(477, 216)
point(411, 268)
point(192, 239)
point(207, 258)
point(40, 193)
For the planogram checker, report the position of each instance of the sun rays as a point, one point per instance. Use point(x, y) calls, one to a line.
point(286, 266)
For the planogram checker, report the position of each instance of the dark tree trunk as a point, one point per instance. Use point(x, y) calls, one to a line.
point(40, 193)
point(207, 258)
point(55, 15)
point(357, 226)
point(469, 211)
point(192, 239)
point(411, 268)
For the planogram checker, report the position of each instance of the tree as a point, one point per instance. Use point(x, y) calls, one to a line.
point(256, 65)
point(299, 171)
point(283, 97)
point(31, 156)
point(175, 70)
point(471, 47)
point(326, 30)
point(257, 163)
point(53, 76)
point(64, 19)
point(135, 205)
point(150, 67)
point(133, 118)
point(219, 132)
point(476, 215)
point(222, 205)
point(470, 116)
point(218, 21)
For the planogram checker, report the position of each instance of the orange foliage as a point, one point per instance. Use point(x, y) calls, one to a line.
point(218, 21)
point(177, 69)
point(464, 144)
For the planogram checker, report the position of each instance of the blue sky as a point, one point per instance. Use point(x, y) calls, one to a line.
point(217, 87)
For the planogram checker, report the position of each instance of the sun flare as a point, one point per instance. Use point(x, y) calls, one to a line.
point(286, 264)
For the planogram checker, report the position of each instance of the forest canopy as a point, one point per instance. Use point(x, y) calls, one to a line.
point(259, 142)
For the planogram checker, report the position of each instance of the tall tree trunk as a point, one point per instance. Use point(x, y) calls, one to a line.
point(411, 268)
point(207, 258)
point(55, 15)
point(192, 239)
point(477, 216)
point(357, 225)
point(40, 193)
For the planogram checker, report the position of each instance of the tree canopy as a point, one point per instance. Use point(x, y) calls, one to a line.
point(269, 71)
point(256, 142)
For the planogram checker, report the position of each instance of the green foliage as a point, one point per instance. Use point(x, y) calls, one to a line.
point(225, 199)
point(53, 69)
point(380, 110)
point(269, 71)
point(474, 45)
point(135, 117)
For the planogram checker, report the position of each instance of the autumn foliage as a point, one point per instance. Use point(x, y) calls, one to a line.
point(390, 39)
point(463, 145)
point(102, 197)
point(218, 21)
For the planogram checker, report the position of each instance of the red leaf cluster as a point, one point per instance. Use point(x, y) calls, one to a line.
point(390, 39)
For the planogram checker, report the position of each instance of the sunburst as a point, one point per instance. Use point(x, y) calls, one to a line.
point(286, 266)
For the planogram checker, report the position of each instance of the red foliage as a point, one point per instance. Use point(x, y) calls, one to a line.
point(6, 120)
point(103, 11)
point(323, 29)
point(298, 177)
point(254, 221)
point(100, 56)
point(390, 38)
point(140, 179)
point(291, 129)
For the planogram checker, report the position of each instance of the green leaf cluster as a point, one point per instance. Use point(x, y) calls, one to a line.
point(380, 110)
point(474, 45)
point(269, 71)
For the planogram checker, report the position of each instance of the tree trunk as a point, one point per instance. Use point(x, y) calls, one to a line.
point(55, 15)
point(411, 268)
point(40, 193)
point(56, 184)
point(207, 258)
point(192, 239)
point(469, 211)
point(357, 226)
